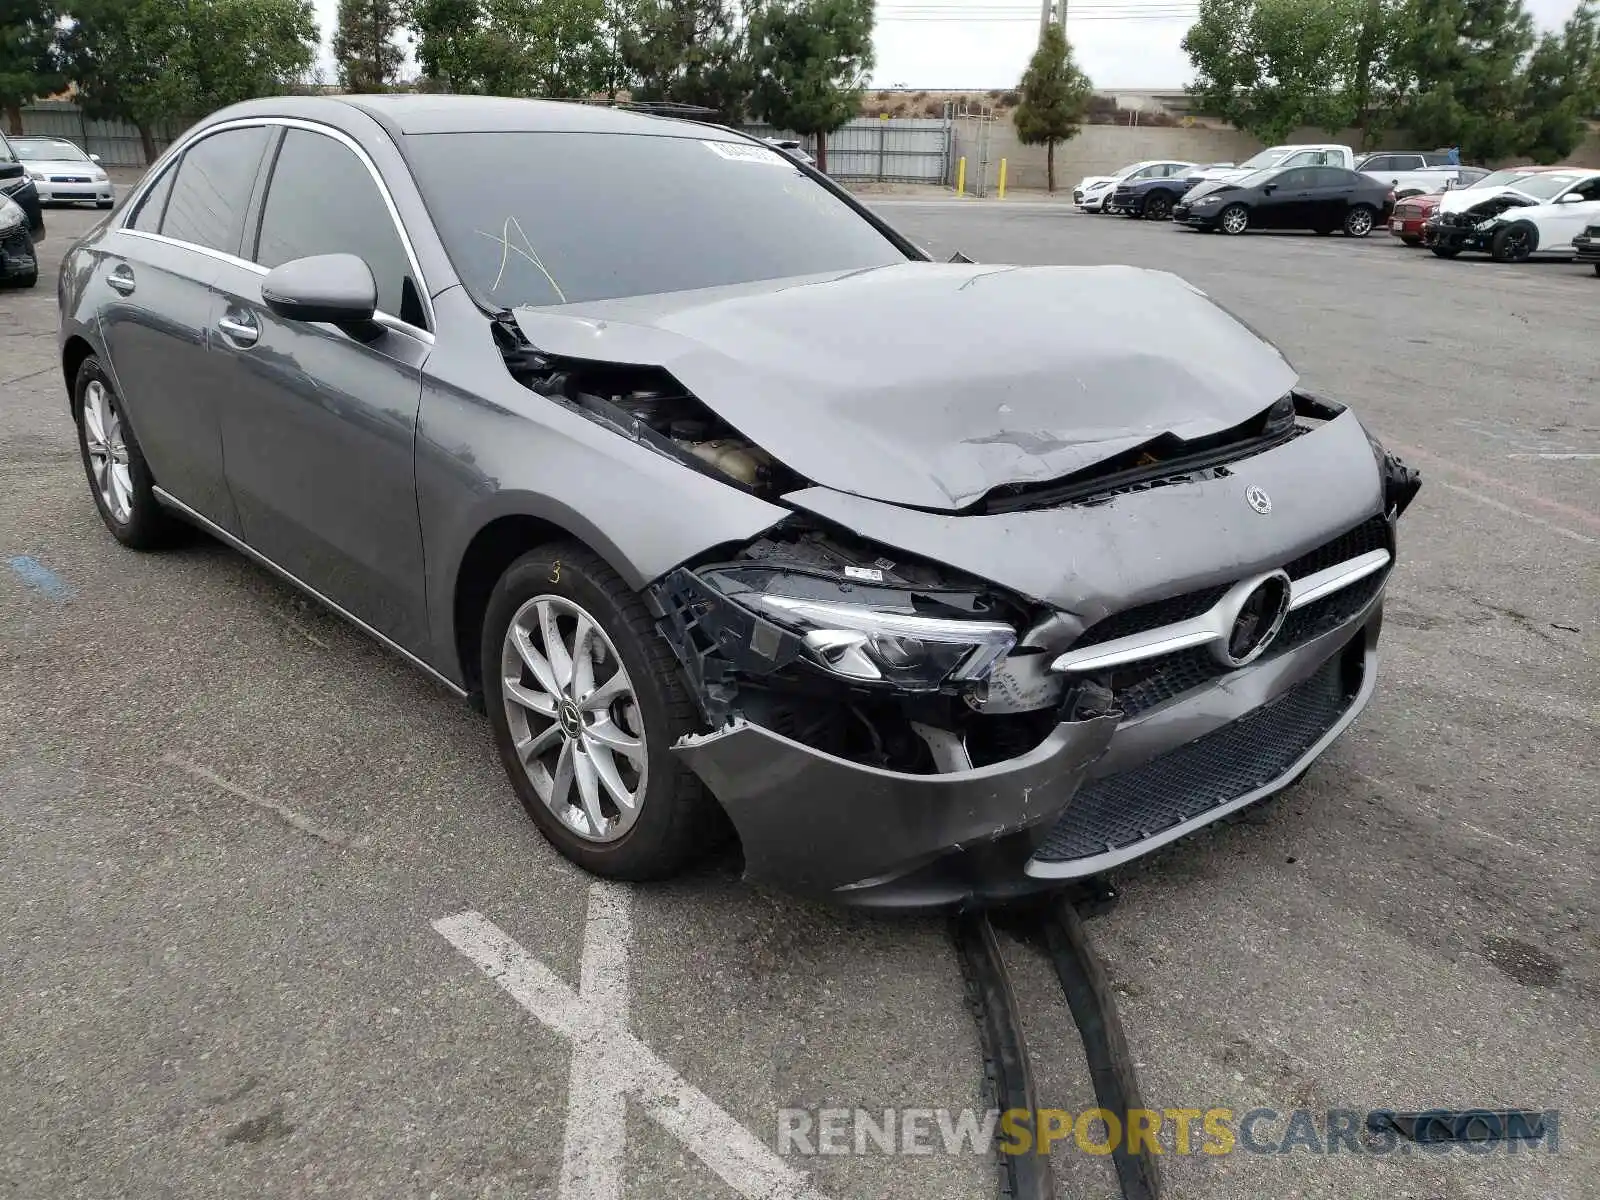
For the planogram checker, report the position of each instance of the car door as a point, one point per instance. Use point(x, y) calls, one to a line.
point(155, 274)
point(318, 423)
point(1286, 205)
point(1571, 213)
point(1330, 195)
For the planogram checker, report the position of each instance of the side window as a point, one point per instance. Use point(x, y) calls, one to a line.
point(1142, 173)
point(212, 188)
point(1332, 177)
point(1383, 162)
point(298, 221)
point(1589, 190)
point(1294, 180)
point(154, 204)
point(1302, 159)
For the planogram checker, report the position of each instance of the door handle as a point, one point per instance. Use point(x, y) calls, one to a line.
point(242, 332)
point(121, 279)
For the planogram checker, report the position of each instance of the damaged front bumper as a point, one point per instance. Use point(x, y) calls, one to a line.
point(1097, 792)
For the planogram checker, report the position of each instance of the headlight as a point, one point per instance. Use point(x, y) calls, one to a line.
point(1205, 200)
point(37, 176)
point(1400, 482)
point(880, 640)
point(12, 217)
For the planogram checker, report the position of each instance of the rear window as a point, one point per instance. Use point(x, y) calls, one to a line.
point(554, 218)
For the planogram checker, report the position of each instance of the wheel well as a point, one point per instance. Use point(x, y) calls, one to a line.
point(72, 355)
point(494, 548)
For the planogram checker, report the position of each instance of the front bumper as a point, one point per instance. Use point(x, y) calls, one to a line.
point(86, 192)
point(1456, 237)
point(1406, 227)
point(1586, 247)
point(1095, 793)
point(17, 256)
point(1185, 214)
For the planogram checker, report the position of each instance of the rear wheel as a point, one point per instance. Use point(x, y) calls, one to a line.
point(1234, 219)
point(586, 701)
point(1514, 243)
point(119, 479)
point(1445, 251)
point(1158, 206)
point(1597, 268)
point(1358, 221)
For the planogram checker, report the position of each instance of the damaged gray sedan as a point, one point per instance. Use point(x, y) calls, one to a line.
point(729, 506)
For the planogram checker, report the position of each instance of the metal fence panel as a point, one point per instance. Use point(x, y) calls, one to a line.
point(116, 142)
point(892, 150)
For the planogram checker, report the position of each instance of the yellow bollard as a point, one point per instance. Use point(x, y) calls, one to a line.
point(1002, 179)
point(961, 176)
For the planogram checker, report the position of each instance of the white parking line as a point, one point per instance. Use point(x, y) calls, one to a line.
point(610, 1065)
point(1561, 530)
point(1561, 456)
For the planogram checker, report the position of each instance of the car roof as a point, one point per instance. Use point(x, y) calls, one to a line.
point(423, 113)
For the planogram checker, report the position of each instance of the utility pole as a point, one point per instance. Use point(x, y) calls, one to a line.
point(1052, 10)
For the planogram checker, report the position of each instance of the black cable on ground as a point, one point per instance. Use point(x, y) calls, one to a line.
point(1008, 1076)
point(1116, 1084)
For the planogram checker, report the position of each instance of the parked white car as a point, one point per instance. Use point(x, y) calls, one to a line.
point(1321, 154)
point(1536, 214)
point(62, 173)
point(1093, 191)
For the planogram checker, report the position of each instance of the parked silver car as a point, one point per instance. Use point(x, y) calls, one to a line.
point(63, 173)
point(937, 581)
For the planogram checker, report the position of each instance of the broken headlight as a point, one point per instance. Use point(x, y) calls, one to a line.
point(1400, 482)
point(876, 635)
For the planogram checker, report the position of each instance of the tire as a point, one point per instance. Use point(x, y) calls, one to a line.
point(26, 281)
point(104, 203)
point(1514, 243)
point(1597, 268)
point(1358, 221)
point(1233, 220)
point(1158, 206)
point(1323, 231)
point(1411, 239)
point(672, 818)
point(1445, 251)
point(125, 501)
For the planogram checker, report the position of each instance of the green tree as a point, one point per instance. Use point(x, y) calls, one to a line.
point(1272, 66)
point(364, 45)
point(1466, 57)
point(554, 48)
point(161, 63)
point(1055, 96)
point(811, 59)
point(1561, 88)
point(29, 66)
point(690, 52)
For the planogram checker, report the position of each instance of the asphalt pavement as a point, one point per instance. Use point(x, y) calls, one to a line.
point(242, 843)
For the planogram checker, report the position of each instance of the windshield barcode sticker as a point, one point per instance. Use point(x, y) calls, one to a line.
point(743, 152)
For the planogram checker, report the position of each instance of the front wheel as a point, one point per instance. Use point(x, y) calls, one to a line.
point(1358, 221)
point(1513, 243)
point(1411, 240)
point(1157, 206)
point(1234, 219)
point(586, 701)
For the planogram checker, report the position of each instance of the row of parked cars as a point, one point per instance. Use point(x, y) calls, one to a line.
point(1422, 197)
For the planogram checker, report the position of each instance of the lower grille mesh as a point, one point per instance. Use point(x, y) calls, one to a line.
point(1121, 810)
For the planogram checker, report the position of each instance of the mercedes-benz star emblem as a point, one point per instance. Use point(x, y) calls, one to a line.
point(568, 718)
point(1256, 621)
point(1258, 499)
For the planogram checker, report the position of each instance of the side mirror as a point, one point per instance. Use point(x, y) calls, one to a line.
point(337, 288)
point(94, 158)
point(1570, 198)
point(1269, 188)
point(12, 170)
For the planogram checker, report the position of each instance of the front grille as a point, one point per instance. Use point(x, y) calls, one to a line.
point(1260, 748)
point(1140, 686)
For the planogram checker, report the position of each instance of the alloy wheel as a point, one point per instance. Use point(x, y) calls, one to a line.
point(1235, 220)
point(1359, 223)
point(574, 718)
point(107, 448)
point(1158, 208)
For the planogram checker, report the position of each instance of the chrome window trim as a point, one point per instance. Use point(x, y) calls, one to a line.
point(243, 547)
point(178, 149)
point(1214, 624)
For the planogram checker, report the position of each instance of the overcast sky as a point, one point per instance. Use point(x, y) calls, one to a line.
point(981, 44)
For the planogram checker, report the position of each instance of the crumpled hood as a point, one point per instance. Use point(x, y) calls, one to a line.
point(929, 385)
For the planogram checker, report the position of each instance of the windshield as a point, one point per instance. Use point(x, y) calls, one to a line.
point(5, 150)
point(47, 151)
point(1496, 179)
point(1257, 178)
point(557, 218)
point(1546, 186)
point(1267, 158)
